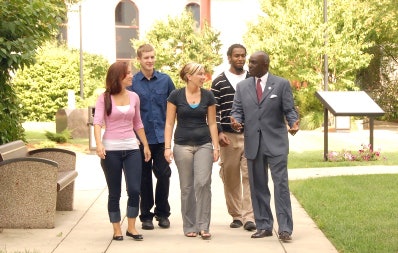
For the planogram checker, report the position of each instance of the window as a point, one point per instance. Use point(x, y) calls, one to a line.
point(194, 8)
point(126, 25)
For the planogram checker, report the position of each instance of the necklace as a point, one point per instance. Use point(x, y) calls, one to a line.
point(192, 97)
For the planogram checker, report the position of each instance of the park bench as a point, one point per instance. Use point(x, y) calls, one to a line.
point(34, 184)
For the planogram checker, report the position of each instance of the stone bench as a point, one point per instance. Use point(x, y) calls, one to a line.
point(34, 184)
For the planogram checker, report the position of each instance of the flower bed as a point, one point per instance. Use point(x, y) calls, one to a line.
point(366, 153)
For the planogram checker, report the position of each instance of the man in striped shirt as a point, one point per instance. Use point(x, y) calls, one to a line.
point(233, 164)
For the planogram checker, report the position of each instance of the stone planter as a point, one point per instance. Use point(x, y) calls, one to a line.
point(73, 119)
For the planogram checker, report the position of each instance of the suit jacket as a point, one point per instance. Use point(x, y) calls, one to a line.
point(267, 117)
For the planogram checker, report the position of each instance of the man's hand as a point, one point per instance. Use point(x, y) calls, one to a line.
point(294, 129)
point(235, 124)
point(223, 139)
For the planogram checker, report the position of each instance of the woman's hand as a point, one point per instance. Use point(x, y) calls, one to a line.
point(216, 154)
point(101, 151)
point(168, 155)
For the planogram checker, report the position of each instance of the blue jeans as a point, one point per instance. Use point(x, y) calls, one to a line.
point(128, 161)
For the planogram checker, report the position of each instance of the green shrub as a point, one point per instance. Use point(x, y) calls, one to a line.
point(10, 125)
point(43, 87)
point(309, 107)
point(62, 137)
point(386, 97)
point(311, 120)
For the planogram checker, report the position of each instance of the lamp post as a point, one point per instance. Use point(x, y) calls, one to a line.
point(325, 56)
point(81, 52)
point(325, 83)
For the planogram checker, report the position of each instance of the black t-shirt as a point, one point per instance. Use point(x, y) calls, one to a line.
point(192, 128)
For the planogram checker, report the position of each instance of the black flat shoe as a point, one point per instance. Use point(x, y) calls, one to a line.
point(137, 237)
point(118, 238)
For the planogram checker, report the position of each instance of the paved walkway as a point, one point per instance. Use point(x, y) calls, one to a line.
point(87, 229)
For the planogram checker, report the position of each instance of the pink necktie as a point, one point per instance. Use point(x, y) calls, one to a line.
point(259, 90)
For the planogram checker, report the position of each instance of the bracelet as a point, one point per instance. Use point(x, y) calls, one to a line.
point(167, 148)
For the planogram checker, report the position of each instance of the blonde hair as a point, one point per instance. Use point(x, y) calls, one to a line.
point(190, 68)
point(144, 48)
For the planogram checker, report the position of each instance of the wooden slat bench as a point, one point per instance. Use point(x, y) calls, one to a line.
point(34, 184)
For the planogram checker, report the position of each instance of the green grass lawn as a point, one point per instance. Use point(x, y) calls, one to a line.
point(37, 137)
point(314, 159)
point(358, 214)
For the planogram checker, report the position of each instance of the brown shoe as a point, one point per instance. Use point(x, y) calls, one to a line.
point(285, 236)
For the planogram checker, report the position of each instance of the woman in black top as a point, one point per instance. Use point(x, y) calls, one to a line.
point(195, 147)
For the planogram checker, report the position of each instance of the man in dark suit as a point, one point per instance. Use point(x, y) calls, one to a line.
point(264, 104)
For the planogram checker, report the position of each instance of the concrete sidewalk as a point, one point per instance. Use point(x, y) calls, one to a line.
point(87, 228)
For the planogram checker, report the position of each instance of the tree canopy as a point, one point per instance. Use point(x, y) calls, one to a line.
point(42, 87)
point(294, 34)
point(296, 37)
point(178, 41)
point(24, 26)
